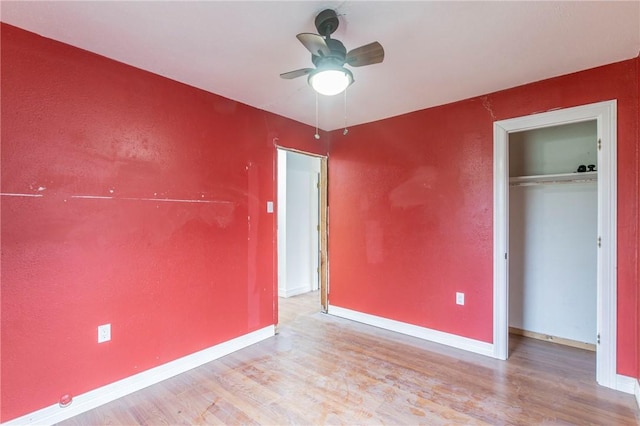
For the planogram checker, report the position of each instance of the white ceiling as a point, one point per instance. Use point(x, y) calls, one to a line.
point(435, 52)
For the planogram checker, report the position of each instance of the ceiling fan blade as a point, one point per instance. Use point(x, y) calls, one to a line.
point(314, 44)
point(368, 54)
point(297, 73)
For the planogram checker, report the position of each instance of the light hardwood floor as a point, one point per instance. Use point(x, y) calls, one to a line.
point(321, 369)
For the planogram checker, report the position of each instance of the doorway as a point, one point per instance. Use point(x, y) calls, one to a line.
point(302, 228)
point(552, 234)
point(604, 114)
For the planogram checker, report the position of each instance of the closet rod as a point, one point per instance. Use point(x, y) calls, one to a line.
point(547, 182)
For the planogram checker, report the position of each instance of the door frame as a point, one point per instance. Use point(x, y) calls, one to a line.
point(323, 262)
point(604, 113)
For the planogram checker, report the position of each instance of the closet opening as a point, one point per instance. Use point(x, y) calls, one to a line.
point(555, 231)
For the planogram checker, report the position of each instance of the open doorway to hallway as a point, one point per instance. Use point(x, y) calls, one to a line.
point(301, 233)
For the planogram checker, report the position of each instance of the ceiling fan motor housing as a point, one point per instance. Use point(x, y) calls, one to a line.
point(338, 53)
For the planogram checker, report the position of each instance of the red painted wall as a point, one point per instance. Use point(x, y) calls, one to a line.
point(411, 203)
point(173, 277)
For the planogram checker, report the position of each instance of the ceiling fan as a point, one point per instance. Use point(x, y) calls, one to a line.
point(329, 56)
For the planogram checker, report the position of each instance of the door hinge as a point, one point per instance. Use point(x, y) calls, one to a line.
point(505, 256)
point(599, 242)
point(598, 338)
point(599, 144)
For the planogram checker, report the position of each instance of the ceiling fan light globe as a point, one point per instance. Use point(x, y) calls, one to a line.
point(331, 82)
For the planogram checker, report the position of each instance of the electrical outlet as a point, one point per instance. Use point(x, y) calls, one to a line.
point(459, 298)
point(104, 333)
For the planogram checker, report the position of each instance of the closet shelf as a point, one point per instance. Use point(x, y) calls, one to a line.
point(555, 178)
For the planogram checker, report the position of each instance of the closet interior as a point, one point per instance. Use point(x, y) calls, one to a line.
point(553, 217)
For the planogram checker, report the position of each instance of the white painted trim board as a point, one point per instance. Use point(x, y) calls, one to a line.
point(97, 397)
point(625, 384)
point(424, 333)
point(297, 290)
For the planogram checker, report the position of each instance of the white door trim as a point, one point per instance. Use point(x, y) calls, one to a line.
point(605, 115)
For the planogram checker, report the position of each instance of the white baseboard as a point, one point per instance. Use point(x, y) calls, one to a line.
point(625, 384)
point(637, 392)
point(448, 339)
point(294, 291)
point(97, 397)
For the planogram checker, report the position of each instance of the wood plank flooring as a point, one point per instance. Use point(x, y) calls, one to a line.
point(325, 370)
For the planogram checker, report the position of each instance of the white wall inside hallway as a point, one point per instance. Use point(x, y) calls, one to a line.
point(298, 220)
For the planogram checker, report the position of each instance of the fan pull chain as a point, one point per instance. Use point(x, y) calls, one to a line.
point(317, 135)
point(345, 131)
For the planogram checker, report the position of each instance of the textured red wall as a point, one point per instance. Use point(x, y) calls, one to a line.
point(411, 202)
point(171, 277)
